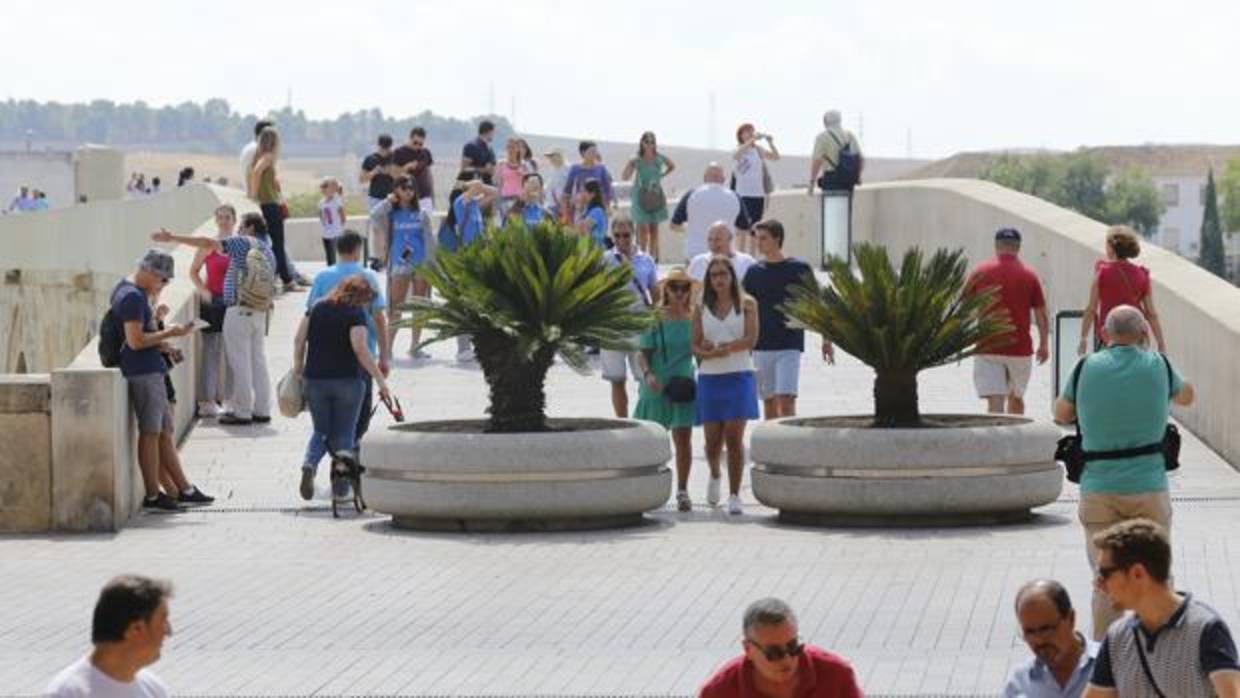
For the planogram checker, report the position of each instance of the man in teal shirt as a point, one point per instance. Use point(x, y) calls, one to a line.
point(349, 248)
point(1121, 397)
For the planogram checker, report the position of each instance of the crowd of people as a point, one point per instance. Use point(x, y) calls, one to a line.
point(721, 345)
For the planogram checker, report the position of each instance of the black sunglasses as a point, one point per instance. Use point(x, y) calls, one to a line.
point(774, 653)
point(678, 288)
point(1104, 573)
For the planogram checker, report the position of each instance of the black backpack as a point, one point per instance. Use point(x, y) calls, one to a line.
point(848, 169)
point(111, 336)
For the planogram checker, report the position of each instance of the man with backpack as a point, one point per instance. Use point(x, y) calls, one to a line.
point(249, 294)
point(130, 340)
point(836, 162)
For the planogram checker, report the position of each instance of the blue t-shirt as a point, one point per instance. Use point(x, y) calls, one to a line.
point(598, 230)
point(237, 247)
point(645, 275)
point(468, 219)
point(129, 304)
point(408, 241)
point(328, 279)
point(1125, 403)
point(535, 214)
point(329, 353)
point(768, 283)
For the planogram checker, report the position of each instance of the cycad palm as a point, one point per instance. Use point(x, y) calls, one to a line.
point(522, 295)
point(899, 321)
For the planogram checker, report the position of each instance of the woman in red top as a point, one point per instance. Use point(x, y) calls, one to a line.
point(1118, 281)
point(211, 309)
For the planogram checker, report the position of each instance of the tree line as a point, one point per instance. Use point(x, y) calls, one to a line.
point(215, 127)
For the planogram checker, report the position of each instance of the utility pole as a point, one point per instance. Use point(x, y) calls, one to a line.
point(711, 125)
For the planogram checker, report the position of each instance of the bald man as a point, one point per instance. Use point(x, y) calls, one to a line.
point(703, 206)
point(1121, 396)
point(719, 242)
point(1063, 659)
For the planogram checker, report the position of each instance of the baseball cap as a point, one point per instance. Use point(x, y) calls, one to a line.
point(157, 262)
point(1007, 235)
point(554, 151)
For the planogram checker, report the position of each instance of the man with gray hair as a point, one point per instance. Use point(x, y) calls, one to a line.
point(836, 162)
point(719, 242)
point(702, 207)
point(776, 663)
point(1063, 659)
point(142, 363)
point(1120, 397)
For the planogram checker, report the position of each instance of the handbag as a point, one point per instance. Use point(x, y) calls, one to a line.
point(212, 313)
point(1074, 457)
point(678, 388)
point(290, 393)
point(651, 197)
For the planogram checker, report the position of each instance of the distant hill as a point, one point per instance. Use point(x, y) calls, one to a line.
point(1158, 160)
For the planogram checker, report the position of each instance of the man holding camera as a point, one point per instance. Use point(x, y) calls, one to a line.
point(1121, 397)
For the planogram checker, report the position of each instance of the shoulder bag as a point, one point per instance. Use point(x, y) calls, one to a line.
point(650, 196)
point(678, 389)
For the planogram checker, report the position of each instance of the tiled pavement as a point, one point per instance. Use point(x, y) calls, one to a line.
point(276, 598)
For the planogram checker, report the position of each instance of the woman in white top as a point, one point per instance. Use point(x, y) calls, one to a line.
point(750, 179)
point(725, 329)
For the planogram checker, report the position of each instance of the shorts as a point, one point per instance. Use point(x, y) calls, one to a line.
point(613, 364)
point(398, 268)
point(149, 397)
point(755, 207)
point(779, 372)
point(995, 375)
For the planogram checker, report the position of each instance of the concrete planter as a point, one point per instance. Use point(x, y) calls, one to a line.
point(452, 476)
point(829, 472)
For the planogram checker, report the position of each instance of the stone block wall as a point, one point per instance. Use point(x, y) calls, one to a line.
point(25, 453)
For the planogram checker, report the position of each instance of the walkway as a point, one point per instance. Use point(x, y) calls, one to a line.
point(276, 598)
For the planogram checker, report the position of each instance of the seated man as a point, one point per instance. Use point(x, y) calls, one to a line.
point(1062, 658)
point(776, 663)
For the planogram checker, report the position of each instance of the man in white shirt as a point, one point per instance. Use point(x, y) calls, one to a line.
point(719, 242)
point(701, 207)
point(128, 631)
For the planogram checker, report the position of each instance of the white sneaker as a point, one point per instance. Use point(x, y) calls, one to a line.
point(735, 508)
point(713, 489)
point(683, 503)
point(207, 410)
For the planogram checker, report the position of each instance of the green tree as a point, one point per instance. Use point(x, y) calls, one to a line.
point(1229, 191)
point(1083, 188)
point(898, 322)
point(1132, 199)
point(1212, 257)
point(522, 295)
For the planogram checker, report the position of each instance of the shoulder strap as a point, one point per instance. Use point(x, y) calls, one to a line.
point(1145, 664)
point(1170, 380)
point(1076, 388)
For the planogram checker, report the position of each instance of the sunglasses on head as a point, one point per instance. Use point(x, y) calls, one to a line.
point(774, 653)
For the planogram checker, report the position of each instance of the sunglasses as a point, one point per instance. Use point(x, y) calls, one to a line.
point(621, 235)
point(774, 653)
point(1104, 573)
point(678, 288)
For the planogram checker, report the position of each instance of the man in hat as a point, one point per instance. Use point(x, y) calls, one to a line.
point(143, 366)
point(1002, 365)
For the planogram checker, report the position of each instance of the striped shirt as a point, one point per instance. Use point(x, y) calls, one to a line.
point(237, 247)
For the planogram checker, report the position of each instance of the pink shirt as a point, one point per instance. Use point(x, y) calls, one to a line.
point(510, 179)
point(821, 674)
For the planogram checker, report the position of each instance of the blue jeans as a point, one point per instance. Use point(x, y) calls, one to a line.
point(334, 406)
point(316, 448)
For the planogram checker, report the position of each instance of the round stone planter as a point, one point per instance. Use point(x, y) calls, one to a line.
point(586, 473)
point(975, 469)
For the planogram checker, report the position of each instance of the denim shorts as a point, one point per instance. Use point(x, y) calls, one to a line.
point(779, 372)
point(149, 398)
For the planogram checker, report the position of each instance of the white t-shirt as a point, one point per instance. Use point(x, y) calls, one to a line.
point(331, 215)
point(82, 680)
point(749, 174)
point(708, 203)
point(740, 262)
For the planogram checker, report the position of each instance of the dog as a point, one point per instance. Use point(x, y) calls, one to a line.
point(346, 468)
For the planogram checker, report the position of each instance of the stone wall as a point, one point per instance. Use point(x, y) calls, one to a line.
point(25, 453)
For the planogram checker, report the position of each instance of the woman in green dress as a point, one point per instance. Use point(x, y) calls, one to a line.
point(666, 352)
point(650, 168)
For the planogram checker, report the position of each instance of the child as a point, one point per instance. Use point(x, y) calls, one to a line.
point(592, 212)
point(331, 215)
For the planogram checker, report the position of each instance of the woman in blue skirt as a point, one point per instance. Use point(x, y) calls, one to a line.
point(725, 329)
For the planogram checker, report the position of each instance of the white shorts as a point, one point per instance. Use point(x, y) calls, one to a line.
point(426, 204)
point(779, 372)
point(613, 364)
point(996, 375)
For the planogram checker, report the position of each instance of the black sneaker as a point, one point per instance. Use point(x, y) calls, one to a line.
point(161, 502)
point(195, 496)
point(230, 419)
point(261, 419)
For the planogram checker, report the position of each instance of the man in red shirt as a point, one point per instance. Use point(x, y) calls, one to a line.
point(1002, 366)
point(777, 665)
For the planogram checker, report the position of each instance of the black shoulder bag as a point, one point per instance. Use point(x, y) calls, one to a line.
point(1145, 663)
point(1070, 453)
point(678, 388)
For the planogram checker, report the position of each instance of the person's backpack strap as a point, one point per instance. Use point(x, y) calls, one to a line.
point(1170, 379)
point(1075, 381)
point(1145, 663)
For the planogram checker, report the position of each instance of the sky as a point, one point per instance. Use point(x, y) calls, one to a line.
point(926, 79)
